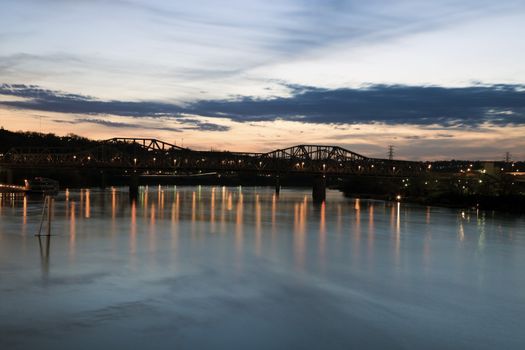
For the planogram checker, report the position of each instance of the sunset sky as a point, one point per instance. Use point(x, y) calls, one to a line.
point(436, 79)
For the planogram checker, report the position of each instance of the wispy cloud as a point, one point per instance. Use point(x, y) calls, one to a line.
point(175, 50)
point(113, 124)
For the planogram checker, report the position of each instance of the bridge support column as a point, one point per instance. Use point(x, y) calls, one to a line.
point(277, 186)
point(319, 189)
point(133, 186)
point(103, 183)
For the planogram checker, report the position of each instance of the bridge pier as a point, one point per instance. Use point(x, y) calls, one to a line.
point(103, 182)
point(319, 189)
point(133, 186)
point(277, 186)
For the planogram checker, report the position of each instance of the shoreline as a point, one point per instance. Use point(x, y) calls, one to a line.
point(511, 204)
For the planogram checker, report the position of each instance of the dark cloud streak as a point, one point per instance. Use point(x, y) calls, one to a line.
point(111, 124)
point(391, 104)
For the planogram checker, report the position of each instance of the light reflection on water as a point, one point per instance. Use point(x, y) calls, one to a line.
point(223, 267)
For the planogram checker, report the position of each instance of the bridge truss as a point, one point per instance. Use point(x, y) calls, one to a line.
point(149, 156)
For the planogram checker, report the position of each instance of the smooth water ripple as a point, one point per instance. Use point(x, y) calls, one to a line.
point(239, 268)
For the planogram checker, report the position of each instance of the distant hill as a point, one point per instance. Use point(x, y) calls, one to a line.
point(10, 139)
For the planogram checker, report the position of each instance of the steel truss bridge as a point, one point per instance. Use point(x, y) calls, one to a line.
point(151, 156)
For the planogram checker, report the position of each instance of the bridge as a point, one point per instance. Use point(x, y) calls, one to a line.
point(146, 156)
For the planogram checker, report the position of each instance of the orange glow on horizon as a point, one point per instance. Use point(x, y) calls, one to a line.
point(367, 139)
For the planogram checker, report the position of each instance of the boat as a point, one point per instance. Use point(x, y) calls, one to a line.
point(41, 185)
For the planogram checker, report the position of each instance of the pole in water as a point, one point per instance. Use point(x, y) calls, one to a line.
point(42, 217)
point(47, 201)
point(49, 214)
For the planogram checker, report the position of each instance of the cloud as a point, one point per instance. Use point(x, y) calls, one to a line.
point(186, 124)
point(112, 124)
point(203, 126)
point(53, 101)
point(389, 104)
point(291, 27)
point(172, 48)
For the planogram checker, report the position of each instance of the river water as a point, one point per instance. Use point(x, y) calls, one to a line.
point(239, 268)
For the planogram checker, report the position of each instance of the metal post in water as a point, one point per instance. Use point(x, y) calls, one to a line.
point(49, 214)
point(42, 217)
point(49, 201)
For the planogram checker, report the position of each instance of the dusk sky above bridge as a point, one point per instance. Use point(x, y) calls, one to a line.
point(436, 79)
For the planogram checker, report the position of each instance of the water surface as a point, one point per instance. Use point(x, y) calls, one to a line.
point(239, 268)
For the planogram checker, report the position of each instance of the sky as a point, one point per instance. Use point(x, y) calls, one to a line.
point(436, 79)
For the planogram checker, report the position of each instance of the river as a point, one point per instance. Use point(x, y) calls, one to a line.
point(240, 268)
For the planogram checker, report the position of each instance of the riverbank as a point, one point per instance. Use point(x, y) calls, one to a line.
point(504, 203)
